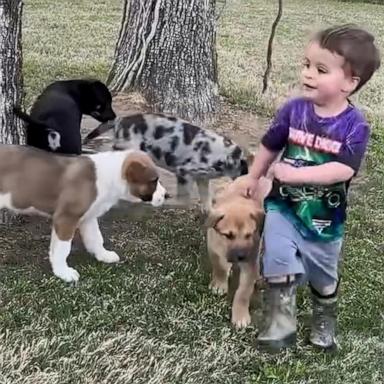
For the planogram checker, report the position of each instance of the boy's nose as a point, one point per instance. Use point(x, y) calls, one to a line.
point(307, 73)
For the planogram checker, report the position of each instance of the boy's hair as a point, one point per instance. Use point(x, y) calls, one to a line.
point(356, 46)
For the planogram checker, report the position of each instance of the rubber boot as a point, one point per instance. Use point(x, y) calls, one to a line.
point(280, 317)
point(324, 316)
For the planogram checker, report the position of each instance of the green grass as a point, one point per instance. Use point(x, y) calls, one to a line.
point(152, 318)
point(67, 39)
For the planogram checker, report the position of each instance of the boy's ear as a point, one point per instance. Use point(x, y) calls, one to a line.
point(351, 84)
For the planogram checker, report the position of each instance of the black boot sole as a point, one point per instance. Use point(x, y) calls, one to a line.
point(274, 346)
point(330, 349)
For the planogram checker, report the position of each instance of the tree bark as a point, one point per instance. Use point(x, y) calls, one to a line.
point(167, 50)
point(11, 128)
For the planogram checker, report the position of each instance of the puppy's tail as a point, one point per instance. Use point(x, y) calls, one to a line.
point(28, 119)
point(102, 128)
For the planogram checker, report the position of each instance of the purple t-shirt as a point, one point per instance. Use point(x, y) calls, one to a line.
point(345, 135)
point(308, 139)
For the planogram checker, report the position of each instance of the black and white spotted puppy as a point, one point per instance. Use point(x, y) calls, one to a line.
point(191, 152)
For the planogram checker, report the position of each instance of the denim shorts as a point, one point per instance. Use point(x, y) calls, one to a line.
point(286, 252)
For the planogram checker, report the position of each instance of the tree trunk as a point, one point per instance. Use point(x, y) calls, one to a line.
point(11, 129)
point(167, 50)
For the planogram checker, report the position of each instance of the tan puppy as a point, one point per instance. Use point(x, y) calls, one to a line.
point(235, 224)
point(75, 191)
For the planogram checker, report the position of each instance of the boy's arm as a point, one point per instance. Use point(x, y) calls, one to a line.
point(262, 161)
point(325, 174)
point(343, 168)
point(271, 144)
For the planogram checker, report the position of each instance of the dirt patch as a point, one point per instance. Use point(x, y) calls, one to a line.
point(26, 243)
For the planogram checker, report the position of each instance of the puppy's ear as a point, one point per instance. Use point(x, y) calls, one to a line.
point(138, 172)
point(264, 186)
point(94, 82)
point(213, 219)
point(93, 87)
point(259, 216)
point(216, 196)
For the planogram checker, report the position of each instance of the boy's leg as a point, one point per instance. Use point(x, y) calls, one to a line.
point(281, 266)
point(321, 262)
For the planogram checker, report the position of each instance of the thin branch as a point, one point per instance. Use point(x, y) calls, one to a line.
point(269, 52)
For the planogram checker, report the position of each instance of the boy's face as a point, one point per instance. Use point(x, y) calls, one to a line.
point(323, 77)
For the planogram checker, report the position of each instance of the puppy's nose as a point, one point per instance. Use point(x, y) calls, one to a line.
point(111, 115)
point(243, 167)
point(237, 255)
point(146, 197)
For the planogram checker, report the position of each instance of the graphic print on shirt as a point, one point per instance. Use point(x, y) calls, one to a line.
point(316, 205)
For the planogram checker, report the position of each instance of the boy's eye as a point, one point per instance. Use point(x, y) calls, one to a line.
point(322, 70)
point(305, 64)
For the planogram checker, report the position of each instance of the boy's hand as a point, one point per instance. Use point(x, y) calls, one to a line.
point(252, 186)
point(246, 185)
point(256, 189)
point(283, 172)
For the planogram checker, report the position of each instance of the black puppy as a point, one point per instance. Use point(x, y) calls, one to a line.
point(55, 117)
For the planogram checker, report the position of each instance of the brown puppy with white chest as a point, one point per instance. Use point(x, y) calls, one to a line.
point(235, 224)
point(75, 191)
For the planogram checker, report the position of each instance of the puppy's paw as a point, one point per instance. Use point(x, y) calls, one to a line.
point(218, 287)
point(67, 274)
point(241, 319)
point(108, 256)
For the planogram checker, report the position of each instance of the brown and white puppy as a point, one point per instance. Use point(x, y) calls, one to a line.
point(75, 191)
point(235, 225)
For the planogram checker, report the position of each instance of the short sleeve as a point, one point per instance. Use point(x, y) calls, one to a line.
point(276, 138)
point(355, 145)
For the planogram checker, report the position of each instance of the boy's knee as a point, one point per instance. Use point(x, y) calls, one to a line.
point(325, 291)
